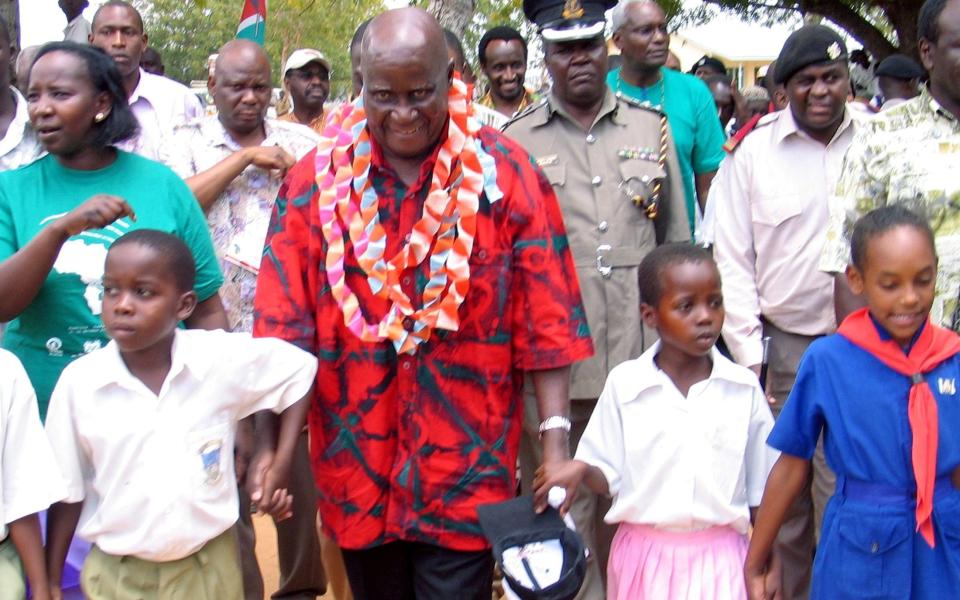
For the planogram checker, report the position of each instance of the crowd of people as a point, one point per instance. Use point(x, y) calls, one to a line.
point(713, 327)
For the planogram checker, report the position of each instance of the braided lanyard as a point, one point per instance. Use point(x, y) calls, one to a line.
point(349, 208)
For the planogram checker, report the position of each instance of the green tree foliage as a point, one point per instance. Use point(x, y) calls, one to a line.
point(186, 33)
point(882, 26)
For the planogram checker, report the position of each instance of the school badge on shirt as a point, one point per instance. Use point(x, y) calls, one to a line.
point(210, 457)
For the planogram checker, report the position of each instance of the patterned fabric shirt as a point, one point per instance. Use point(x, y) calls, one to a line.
point(907, 155)
point(238, 219)
point(406, 447)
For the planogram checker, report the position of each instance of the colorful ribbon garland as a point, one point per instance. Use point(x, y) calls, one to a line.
point(447, 225)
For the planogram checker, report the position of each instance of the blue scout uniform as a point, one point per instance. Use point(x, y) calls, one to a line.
point(869, 547)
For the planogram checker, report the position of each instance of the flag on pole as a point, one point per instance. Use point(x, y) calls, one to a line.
point(253, 21)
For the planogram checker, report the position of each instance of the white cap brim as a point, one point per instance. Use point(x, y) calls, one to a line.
point(577, 32)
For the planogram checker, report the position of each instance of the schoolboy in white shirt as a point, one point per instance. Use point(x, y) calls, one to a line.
point(30, 481)
point(144, 432)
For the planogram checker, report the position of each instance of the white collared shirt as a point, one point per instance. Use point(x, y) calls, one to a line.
point(19, 146)
point(680, 463)
point(155, 472)
point(160, 104)
point(78, 30)
point(771, 206)
point(30, 479)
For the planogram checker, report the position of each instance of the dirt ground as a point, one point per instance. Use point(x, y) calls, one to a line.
point(267, 554)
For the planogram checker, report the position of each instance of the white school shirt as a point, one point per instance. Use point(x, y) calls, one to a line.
point(30, 480)
point(155, 472)
point(160, 104)
point(771, 205)
point(675, 463)
point(19, 146)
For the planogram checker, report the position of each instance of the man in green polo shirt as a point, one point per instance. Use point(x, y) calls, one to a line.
point(640, 31)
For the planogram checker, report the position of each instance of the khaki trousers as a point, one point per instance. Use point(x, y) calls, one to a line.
point(797, 540)
point(12, 586)
point(210, 573)
point(588, 509)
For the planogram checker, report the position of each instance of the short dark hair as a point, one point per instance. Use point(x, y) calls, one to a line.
point(175, 253)
point(879, 221)
point(358, 34)
point(927, 27)
point(120, 124)
point(650, 274)
point(453, 43)
point(500, 32)
point(120, 4)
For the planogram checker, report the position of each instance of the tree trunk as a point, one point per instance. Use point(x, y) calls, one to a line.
point(455, 15)
point(10, 11)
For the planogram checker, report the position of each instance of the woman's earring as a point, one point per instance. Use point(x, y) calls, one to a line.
point(99, 117)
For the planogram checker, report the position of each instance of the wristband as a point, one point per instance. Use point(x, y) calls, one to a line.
point(554, 422)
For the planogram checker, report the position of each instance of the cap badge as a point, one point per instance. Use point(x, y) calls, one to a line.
point(572, 9)
point(834, 51)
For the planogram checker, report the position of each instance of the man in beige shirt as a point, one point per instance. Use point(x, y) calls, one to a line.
point(771, 204)
point(621, 195)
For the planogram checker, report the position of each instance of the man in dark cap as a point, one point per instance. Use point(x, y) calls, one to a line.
point(771, 204)
point(909, 155)
point(603, 155)
point(640, 31)
point(502, 52)
point(418, 419)
point(898, 77)
point(708, 66)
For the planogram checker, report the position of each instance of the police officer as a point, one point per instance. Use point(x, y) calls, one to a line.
point(613, 166)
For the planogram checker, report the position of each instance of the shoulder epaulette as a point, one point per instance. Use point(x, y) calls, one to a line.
point(530, 109)
point(638, 103)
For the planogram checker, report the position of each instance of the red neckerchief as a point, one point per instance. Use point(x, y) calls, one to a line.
point(933, 346)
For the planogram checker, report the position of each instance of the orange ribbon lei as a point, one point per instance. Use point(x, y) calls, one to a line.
point(444, 235)
point(933, 346)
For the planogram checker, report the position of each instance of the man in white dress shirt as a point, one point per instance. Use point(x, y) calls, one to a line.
point(771, 208)
point(78, 28)
point(159, 103)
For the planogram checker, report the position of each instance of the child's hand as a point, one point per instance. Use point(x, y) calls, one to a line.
point(278, 503)
point(765, 583)
point(267, 485)
point(566, 474)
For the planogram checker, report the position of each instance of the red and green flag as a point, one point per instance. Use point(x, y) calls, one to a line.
point(253, 21)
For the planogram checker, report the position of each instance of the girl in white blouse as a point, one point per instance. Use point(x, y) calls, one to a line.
point(678, 441)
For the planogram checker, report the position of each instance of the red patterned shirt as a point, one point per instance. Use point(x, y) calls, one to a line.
point(405, 447)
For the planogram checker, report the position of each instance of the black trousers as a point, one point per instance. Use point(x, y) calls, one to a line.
point(418, 571)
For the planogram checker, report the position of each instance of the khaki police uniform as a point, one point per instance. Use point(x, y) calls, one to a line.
point(596, 175)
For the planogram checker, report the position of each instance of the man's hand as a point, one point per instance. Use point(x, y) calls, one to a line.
point(566, 474)
point(96, 212)
point(271, 158)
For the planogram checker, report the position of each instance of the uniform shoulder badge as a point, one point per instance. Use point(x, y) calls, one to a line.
point(529, 110)
point(639, 103)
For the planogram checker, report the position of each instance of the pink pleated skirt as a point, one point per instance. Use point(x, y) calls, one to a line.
point(652, 564)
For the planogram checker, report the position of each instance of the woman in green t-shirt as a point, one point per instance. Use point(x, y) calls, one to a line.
point(59, 214)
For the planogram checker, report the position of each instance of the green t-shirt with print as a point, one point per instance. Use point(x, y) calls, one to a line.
point(63, 320)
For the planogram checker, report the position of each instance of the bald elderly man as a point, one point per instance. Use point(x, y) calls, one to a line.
point(417, 414)
point(234, 163)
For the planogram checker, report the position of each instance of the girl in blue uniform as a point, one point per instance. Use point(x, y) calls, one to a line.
point(883, 392)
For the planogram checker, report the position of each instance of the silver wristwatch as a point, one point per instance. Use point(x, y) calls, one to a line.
point(555, 422)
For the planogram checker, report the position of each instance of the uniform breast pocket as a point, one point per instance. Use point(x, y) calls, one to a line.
point(556, 174)
point(775, 209)
point(210, 459)
point(728, 447)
